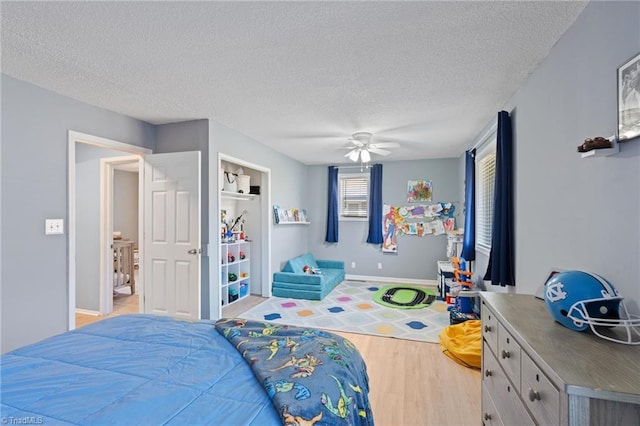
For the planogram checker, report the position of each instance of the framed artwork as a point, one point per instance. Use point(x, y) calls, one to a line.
point(419, 190)
point(629, 99)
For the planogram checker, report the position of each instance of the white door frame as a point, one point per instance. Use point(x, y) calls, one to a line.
point(107, 167)
point(265, 232)
point(74, 137)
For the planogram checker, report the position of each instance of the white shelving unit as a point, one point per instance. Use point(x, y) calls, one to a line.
point(235, 264)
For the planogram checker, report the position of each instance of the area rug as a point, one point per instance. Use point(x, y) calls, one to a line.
point(404, 296)
point(350, 308)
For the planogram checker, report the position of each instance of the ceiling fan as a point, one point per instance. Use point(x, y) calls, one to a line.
point(363, 147)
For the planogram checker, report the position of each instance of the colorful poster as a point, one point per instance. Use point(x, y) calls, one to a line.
point(437, 219)
point(390, 220)
point(419, 190)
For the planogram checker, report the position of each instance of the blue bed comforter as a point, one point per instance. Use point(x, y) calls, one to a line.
point(150, 370)
point(133, 370)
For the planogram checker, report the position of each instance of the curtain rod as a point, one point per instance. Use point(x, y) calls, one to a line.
point(354, 167)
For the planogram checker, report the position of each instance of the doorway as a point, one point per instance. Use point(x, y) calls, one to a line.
point(107, 155)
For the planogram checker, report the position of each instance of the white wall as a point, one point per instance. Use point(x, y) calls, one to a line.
point(571, 212)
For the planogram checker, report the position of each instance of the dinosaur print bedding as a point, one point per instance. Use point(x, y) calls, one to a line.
point(312, 377)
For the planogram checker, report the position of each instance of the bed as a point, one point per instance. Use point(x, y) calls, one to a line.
point(144, 369)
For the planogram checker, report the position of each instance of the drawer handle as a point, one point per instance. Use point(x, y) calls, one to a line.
point(505, 354)
point(534, 395)
point(487, 328)
point(488, 373)
point(487, 416)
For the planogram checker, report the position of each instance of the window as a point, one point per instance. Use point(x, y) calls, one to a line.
point(485, 184)
point(354, 196)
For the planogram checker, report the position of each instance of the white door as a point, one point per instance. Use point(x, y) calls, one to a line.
point(171, 238)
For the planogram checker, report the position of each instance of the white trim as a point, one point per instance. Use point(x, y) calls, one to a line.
point(87, 312)
point(74, 137)
point(486, 147)
point(433, 283)
point(480, 143)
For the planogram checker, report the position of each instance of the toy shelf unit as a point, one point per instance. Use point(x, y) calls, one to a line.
point(235, 271)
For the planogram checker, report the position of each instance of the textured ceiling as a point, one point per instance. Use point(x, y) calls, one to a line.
point(300, 77)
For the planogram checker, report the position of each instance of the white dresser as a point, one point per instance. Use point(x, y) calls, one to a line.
point(536, 371)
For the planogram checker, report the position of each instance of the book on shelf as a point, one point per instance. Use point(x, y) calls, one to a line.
point(292, 215)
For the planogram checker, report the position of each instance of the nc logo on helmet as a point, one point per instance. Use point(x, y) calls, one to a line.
point(555, 292)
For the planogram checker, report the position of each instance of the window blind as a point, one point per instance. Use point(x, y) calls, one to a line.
point(485, 181)
point(354, 196)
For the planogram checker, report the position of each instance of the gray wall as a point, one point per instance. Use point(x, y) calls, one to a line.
point(417, 256)
point(576, 213)
point(289, 187)
point(125, 204)
point(193, 136)
point(34, 187)
point(88, 206)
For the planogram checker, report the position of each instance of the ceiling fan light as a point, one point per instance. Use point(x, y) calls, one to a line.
point(353, 155)
point(365, 156)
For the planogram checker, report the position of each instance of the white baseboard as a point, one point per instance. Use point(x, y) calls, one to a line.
point(433, 283)
point(87, 312)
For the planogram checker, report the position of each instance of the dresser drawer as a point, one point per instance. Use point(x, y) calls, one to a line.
point(509, 355)
point(489, 412)
point(489, 327)
point(503, 393)
point(539, 394)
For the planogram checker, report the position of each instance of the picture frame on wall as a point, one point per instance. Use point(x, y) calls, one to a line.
point(629, 99)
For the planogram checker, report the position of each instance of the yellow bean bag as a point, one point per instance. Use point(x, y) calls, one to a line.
point(463, 343)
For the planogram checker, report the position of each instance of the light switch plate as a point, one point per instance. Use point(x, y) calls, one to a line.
point(54, 226)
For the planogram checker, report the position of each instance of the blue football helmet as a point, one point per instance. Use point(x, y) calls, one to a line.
point(579, 300)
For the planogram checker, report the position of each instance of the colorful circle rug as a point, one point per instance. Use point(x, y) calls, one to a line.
point(350, 308)
point(404, 296)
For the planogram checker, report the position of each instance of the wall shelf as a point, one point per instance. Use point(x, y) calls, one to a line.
point(293, 223)
point(237, 196)
point(604, 152)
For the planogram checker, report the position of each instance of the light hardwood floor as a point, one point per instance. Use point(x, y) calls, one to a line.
point(411, 383)
point(122, 304)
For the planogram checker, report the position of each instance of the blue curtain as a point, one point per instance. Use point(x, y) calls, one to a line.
point(332, 206)
point(375, 205)
point(501, 268)
point(469, 240)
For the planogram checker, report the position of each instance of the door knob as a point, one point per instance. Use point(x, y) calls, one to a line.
point(194, 251)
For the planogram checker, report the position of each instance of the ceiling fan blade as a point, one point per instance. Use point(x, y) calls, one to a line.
point(379, 151)
point(385, 145)
point(356, 142)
